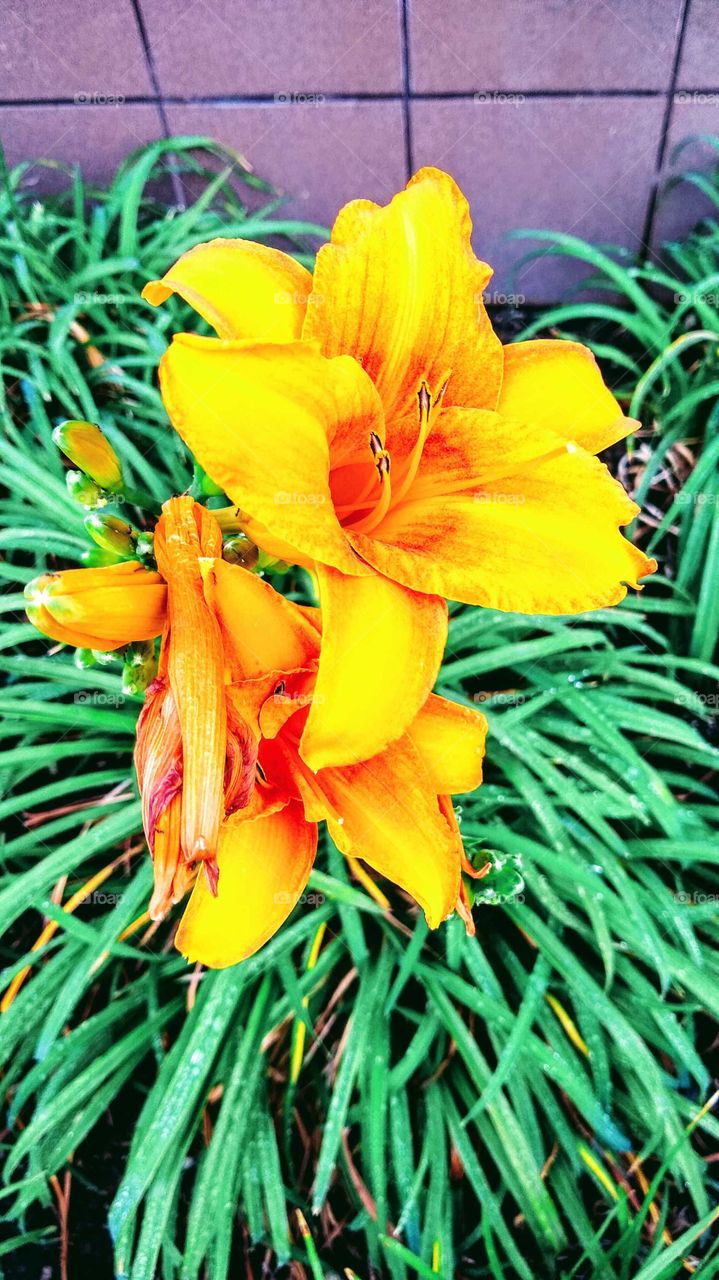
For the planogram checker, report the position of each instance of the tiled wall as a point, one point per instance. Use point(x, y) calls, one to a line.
point(551, 113)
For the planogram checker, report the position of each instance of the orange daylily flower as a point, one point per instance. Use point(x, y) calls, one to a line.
point(101, 609)
point(220, 758)
point(369, 424)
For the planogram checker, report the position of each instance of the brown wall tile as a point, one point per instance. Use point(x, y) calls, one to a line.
point(575, 165)
point(542, 44)
point(95, 137)
point(581, 163)
point(322, 156)
point(60, 48)
point(288, 47)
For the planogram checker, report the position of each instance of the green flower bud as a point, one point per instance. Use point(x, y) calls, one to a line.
point(241, 550)
point(145, 546)
point(112, 534)
point(270, 564)
point(84, 490)
point(85, 445)
point(105, 658)
point(98, 558)
point(84, 658)
point(140, 668)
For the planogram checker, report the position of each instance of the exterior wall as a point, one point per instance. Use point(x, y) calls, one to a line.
point(560, 114)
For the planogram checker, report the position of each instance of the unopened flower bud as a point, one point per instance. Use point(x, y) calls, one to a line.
point(140, 668)
point(145, 546)
point(270, 564)
point(102, 608)
point(104, 657)
point(112, 534)
point(241, 550)
point(98, 558)
point(84, 658)
point(84, 490)
point(229, 519)
point(85, 445)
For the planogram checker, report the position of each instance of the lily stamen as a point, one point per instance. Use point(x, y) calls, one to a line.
point(426, 407)
point(377, 513)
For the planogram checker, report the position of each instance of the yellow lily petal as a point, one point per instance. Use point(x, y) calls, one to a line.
point(259, 419)
point(400, 289)
point(244, 290)
point(546, 540)
point(385, 812)
point(450, 739)
point(185, 535)
point(264, 866)
point(558, 385)
point(100, 609)
point(381, 650)
point(265, 631)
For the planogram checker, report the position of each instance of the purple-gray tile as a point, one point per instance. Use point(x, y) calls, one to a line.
point(576, 165)
point(470, 45)
point(291, 47)
point(699, 66)
point(679, 208)
point(95, 137)
point(320, 156)
point(64, 48)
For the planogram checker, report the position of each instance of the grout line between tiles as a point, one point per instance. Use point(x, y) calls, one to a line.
point(280, 100)
point(652, 202)
point(406, 90)
point(157, 97)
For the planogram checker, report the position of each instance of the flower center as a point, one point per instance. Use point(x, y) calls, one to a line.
point(366, 505)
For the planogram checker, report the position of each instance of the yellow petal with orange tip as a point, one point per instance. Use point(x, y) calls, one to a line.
point(264, 865)
point(243, 289)
point(260, 420)
point(381, 650)
point(450, 739)
point(558, 385)
point(101, 609)
point(185, 535)
point(263, 629)
point(385, 811)
point(546, 540)
point(400, 289)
